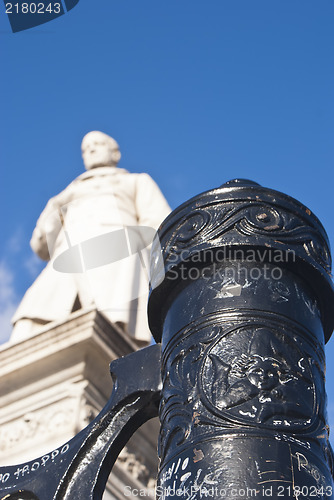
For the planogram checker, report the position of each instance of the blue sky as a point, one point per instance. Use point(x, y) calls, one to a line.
point(195, 92)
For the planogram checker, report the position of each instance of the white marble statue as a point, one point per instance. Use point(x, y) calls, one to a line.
point(96, 233)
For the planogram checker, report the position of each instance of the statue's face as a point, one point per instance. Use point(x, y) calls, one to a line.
point(98, 151)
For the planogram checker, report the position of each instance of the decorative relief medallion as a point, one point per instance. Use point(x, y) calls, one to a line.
point(253, 375)
point(259, 376)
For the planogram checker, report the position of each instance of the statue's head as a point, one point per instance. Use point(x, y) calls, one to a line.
point(99, 150)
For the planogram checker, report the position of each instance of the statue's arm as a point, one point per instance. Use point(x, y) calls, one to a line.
point(151, 205)
point(47, 228)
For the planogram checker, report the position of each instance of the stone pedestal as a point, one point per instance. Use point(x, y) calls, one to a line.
point(54, 383)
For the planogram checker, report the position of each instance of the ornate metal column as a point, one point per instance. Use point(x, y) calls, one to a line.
point(243, 312)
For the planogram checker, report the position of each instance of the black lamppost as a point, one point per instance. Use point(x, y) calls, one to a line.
point(243, 312)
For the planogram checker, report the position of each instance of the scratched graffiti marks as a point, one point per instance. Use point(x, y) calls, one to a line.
point(10, 475)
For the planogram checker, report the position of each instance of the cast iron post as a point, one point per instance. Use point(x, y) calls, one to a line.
point(243, 312)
